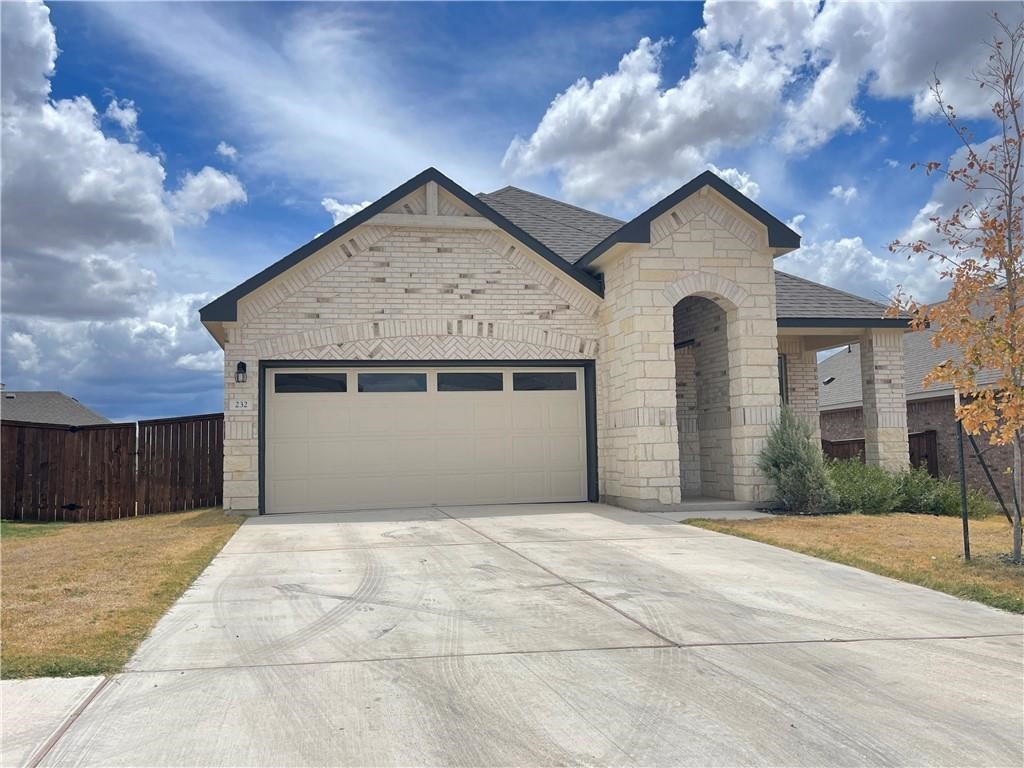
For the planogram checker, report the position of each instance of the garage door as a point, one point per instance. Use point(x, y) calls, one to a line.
point(365, 438)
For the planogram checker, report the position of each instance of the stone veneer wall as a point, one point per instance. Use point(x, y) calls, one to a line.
point(687, 421)
point(704, 322)
point(702, 247)
point(802, 380)
point(882, 372)
point(400, 294)
point(934, 414)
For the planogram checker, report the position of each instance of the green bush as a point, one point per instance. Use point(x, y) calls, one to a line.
point(857, 487)
point(793, 461)
point(875, 491)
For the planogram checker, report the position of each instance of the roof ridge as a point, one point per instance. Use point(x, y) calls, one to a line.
point(837, 290)
point(559, 202)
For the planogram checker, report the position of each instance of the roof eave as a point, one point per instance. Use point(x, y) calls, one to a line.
point(843, 322)
point(780, 237)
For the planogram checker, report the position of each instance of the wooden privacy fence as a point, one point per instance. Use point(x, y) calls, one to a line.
point(107, 471)
point(922, 447)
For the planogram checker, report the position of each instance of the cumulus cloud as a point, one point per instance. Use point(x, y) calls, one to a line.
point(738, 179)
point(24, 352)
point(847, 263)
point(341, 211)
point(87, 222)
point(791, 74)
point(203, 361)
point(124, 113)
point(206, 191)
point(227, 151)
point(844, 194)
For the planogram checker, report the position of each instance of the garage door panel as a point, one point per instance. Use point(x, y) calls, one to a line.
point(361, 450)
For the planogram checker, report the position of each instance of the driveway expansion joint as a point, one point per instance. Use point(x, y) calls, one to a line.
point(47, 746)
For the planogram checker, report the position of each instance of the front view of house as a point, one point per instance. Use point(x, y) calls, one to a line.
point(443, 348)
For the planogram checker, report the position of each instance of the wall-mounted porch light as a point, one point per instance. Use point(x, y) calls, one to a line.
point(240, 373)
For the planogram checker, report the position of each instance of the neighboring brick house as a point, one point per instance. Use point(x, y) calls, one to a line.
point(443, 348)
point(931, 422)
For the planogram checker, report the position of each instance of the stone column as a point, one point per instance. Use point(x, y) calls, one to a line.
point(885, 404)
point(802, 381)
point(754, 396)
point(241, 446)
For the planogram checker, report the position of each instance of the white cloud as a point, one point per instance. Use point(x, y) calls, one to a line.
point(206, 191)
point(848, 264)
point(341, 211)
point(797, 222)
point(845, 194)
point(202, 361)
point(892, 163)
point(787, 73)
point(88, 224)
point(738, 179)
point(24, 351)
point(226, 150)
point(124, 113)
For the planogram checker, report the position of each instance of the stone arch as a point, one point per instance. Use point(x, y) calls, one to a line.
point(504, 340)
point(707, 286)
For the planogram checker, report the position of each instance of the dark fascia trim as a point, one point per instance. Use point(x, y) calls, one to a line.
point(639, 229)
point(842, 322)
point(225, 307)
point(589, 399)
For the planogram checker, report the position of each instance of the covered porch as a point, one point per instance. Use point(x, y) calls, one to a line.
point(812, 318)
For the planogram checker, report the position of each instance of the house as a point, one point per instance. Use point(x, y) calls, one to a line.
point(440, 347)
point(47, 408)
point(931, 422)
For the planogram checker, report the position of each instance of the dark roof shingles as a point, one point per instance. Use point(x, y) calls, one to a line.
point(47, 408)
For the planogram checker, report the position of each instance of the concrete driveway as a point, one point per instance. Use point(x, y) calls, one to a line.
point(551, 635)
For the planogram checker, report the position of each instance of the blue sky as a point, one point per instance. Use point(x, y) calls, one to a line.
point(120, 221)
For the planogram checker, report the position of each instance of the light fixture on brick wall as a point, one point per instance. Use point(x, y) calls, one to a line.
point(240, 374)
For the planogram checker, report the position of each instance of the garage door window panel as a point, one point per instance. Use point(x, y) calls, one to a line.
point(392, 382)
point(469, 382)
point(308, 383)
point(537, 381)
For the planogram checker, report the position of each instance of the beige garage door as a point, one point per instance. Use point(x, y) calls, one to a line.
point(366, 438)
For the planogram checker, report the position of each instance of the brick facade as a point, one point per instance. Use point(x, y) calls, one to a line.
point(397, 293)
point(933, 414)
point(884, 402)
point(670, 422)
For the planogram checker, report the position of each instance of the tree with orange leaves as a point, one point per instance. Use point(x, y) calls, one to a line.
point(978, 249)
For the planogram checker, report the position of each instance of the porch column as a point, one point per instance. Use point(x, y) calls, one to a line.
point(885, 403)
point(801, 381)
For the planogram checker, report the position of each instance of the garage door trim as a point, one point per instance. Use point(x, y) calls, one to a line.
point(589, 398)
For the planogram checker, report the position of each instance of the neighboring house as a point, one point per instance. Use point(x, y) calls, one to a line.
point(444, 348)
point(931, 422)
point(47, 408)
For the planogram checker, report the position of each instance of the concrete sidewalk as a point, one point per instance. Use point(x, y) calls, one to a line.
point(551, 634)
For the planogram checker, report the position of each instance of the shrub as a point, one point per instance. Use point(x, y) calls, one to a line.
point(793, 461)
point(857, 487)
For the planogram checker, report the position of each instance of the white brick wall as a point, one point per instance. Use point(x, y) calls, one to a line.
point(885, 406)
point(401, 293)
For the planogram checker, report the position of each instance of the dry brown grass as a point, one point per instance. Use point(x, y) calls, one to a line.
point(921, 549)
point(78, 598)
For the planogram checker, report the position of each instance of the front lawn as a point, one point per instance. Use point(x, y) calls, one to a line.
point(921, 549)
point(78, 598)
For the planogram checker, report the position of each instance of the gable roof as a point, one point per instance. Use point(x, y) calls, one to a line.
point(800, 303)
point(570, 237)
point(638, 230)
point(47, 408)
point(226, 306)
point(568, 230)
